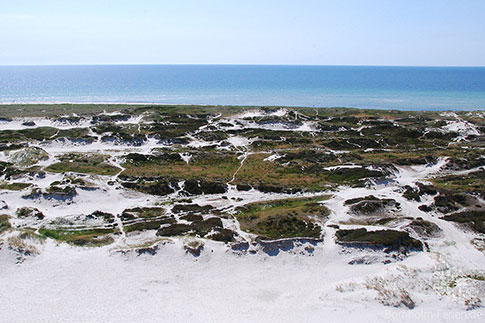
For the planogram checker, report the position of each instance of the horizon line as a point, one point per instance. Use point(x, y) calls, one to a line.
point(235, 64)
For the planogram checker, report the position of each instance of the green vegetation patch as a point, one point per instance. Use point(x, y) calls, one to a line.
point(472, 219)
point(29, 212)
point(9, 171)
point(106, 217)
point(60, 192)
point(390, 239)
point(4, 223)
point(141, 219)
point(142, 212)
point(89, 237)
point(288, 218)
point(147, 225)
point(424, 228)
point(472, 182)
point(304, 172)
point(28, 156)
point(169, 125)
point(211, 228)
point(370, 205)
point(450, 201)
point(157, 187)
point(223, 235)
point(14, 186)
point(84, 163)
point(40, 134)
point(192, 208)
point(43, 133)
point(415, 193)
point(56, 110)
point(9, 147)
point(216, 166)
point(74, 133)
point(176, 229)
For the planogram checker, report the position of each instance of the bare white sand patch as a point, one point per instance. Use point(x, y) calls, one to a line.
point(87, 285)
point(238, 141)
point(273, 157)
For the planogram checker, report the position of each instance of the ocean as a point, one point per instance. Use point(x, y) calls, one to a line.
point(379, 87)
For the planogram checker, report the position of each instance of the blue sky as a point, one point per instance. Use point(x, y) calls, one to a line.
point(320, 32)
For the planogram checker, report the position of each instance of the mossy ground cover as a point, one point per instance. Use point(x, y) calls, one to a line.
point(192, 208)
point(83, 163)
point(371, 205)
point(145, 213)
point(82, 133)
point(14, 186)
point(40, 133)
point(382, 238)
point(153, 224)
point(28, 212)
point(28, 156)
point(211, 228)
point(472, 182)
point(90, 237)
point(55, 110)
point(4, 223)
point(215, 166)
point(8, 170)
point(300, 174)
point(141, 219)
point(286, 218)
point(424, 228)
point(154, 187)
point(475, 219)
point(113, 128)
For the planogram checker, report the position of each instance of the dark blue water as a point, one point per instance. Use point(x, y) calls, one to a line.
point(410, 88)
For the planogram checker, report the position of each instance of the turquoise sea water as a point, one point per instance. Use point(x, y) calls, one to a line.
point(407, 88)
